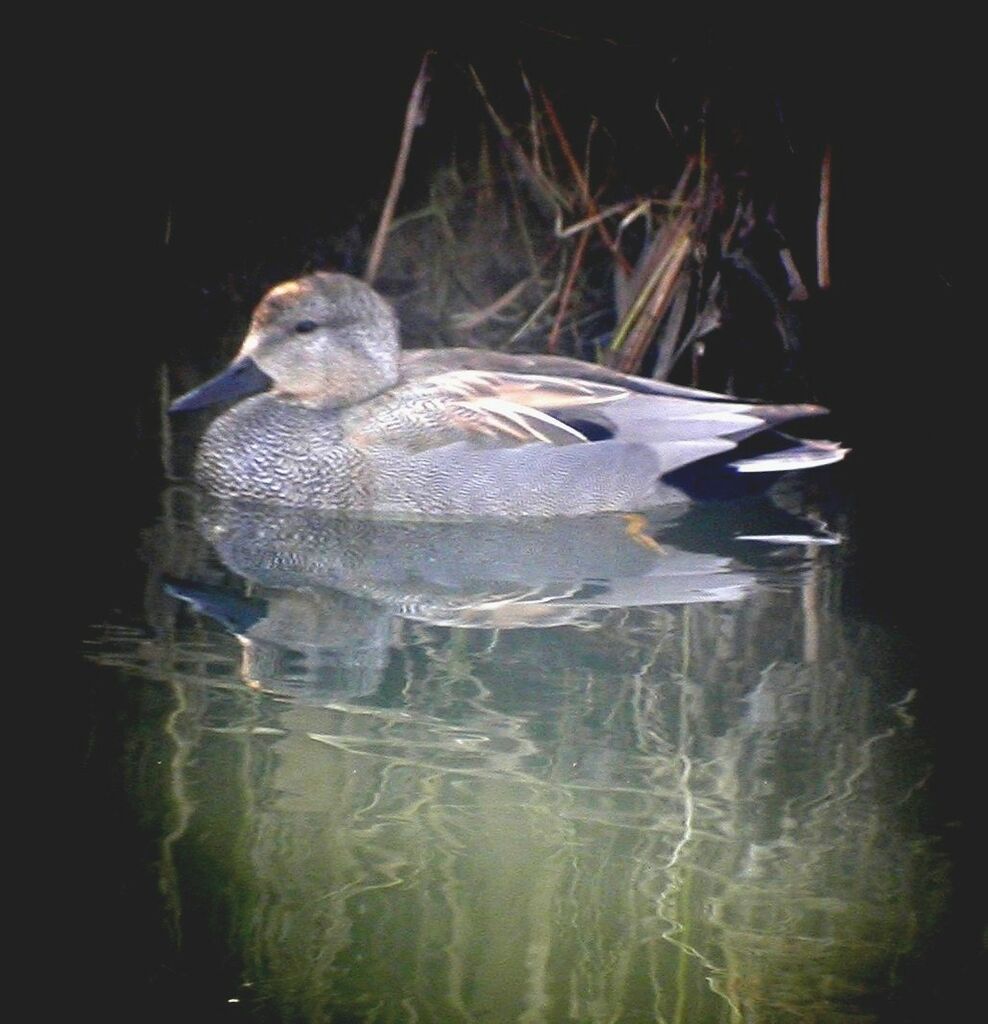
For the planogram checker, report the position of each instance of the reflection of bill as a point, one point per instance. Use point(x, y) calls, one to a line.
point(300, 643)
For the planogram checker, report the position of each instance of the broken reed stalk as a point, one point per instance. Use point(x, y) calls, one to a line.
point(627, 289)
point(657, 297)
point(468, 321)
point(581, 180)
point(165, 424)
point(634, 205)
point(413, 116)
point(823, 224)
point(575, 264)
point(658, 272)
point(541, 185)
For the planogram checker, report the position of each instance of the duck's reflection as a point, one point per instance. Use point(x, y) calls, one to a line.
point(324, 590)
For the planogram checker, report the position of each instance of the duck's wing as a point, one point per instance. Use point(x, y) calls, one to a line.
point(522, 408)
point(654, 410)
point(499, 409)
point(495, 409)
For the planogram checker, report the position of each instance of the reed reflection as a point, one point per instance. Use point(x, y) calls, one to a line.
point(688, 799)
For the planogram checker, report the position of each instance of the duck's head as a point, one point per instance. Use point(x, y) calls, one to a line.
point(322, 341)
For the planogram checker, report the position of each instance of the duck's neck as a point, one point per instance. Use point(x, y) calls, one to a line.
point(353, 381)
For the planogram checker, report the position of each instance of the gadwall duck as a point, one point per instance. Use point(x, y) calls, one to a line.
point(346, 421)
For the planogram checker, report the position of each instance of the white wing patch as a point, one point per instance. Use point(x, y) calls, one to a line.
point(808, 455)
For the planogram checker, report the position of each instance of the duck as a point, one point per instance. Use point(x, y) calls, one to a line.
point(330, 414)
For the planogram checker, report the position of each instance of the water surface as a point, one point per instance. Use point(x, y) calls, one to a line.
point(616, 769)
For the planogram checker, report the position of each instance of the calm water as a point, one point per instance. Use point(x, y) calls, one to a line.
point(601, 770)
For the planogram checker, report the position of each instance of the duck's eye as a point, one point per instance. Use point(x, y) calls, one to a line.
point(305, 326)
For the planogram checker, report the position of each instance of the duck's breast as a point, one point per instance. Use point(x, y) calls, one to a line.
point(268, 450)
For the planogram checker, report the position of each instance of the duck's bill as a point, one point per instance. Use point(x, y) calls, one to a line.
point(240, 379)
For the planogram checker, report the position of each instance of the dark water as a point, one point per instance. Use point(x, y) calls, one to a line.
point(683, 769)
